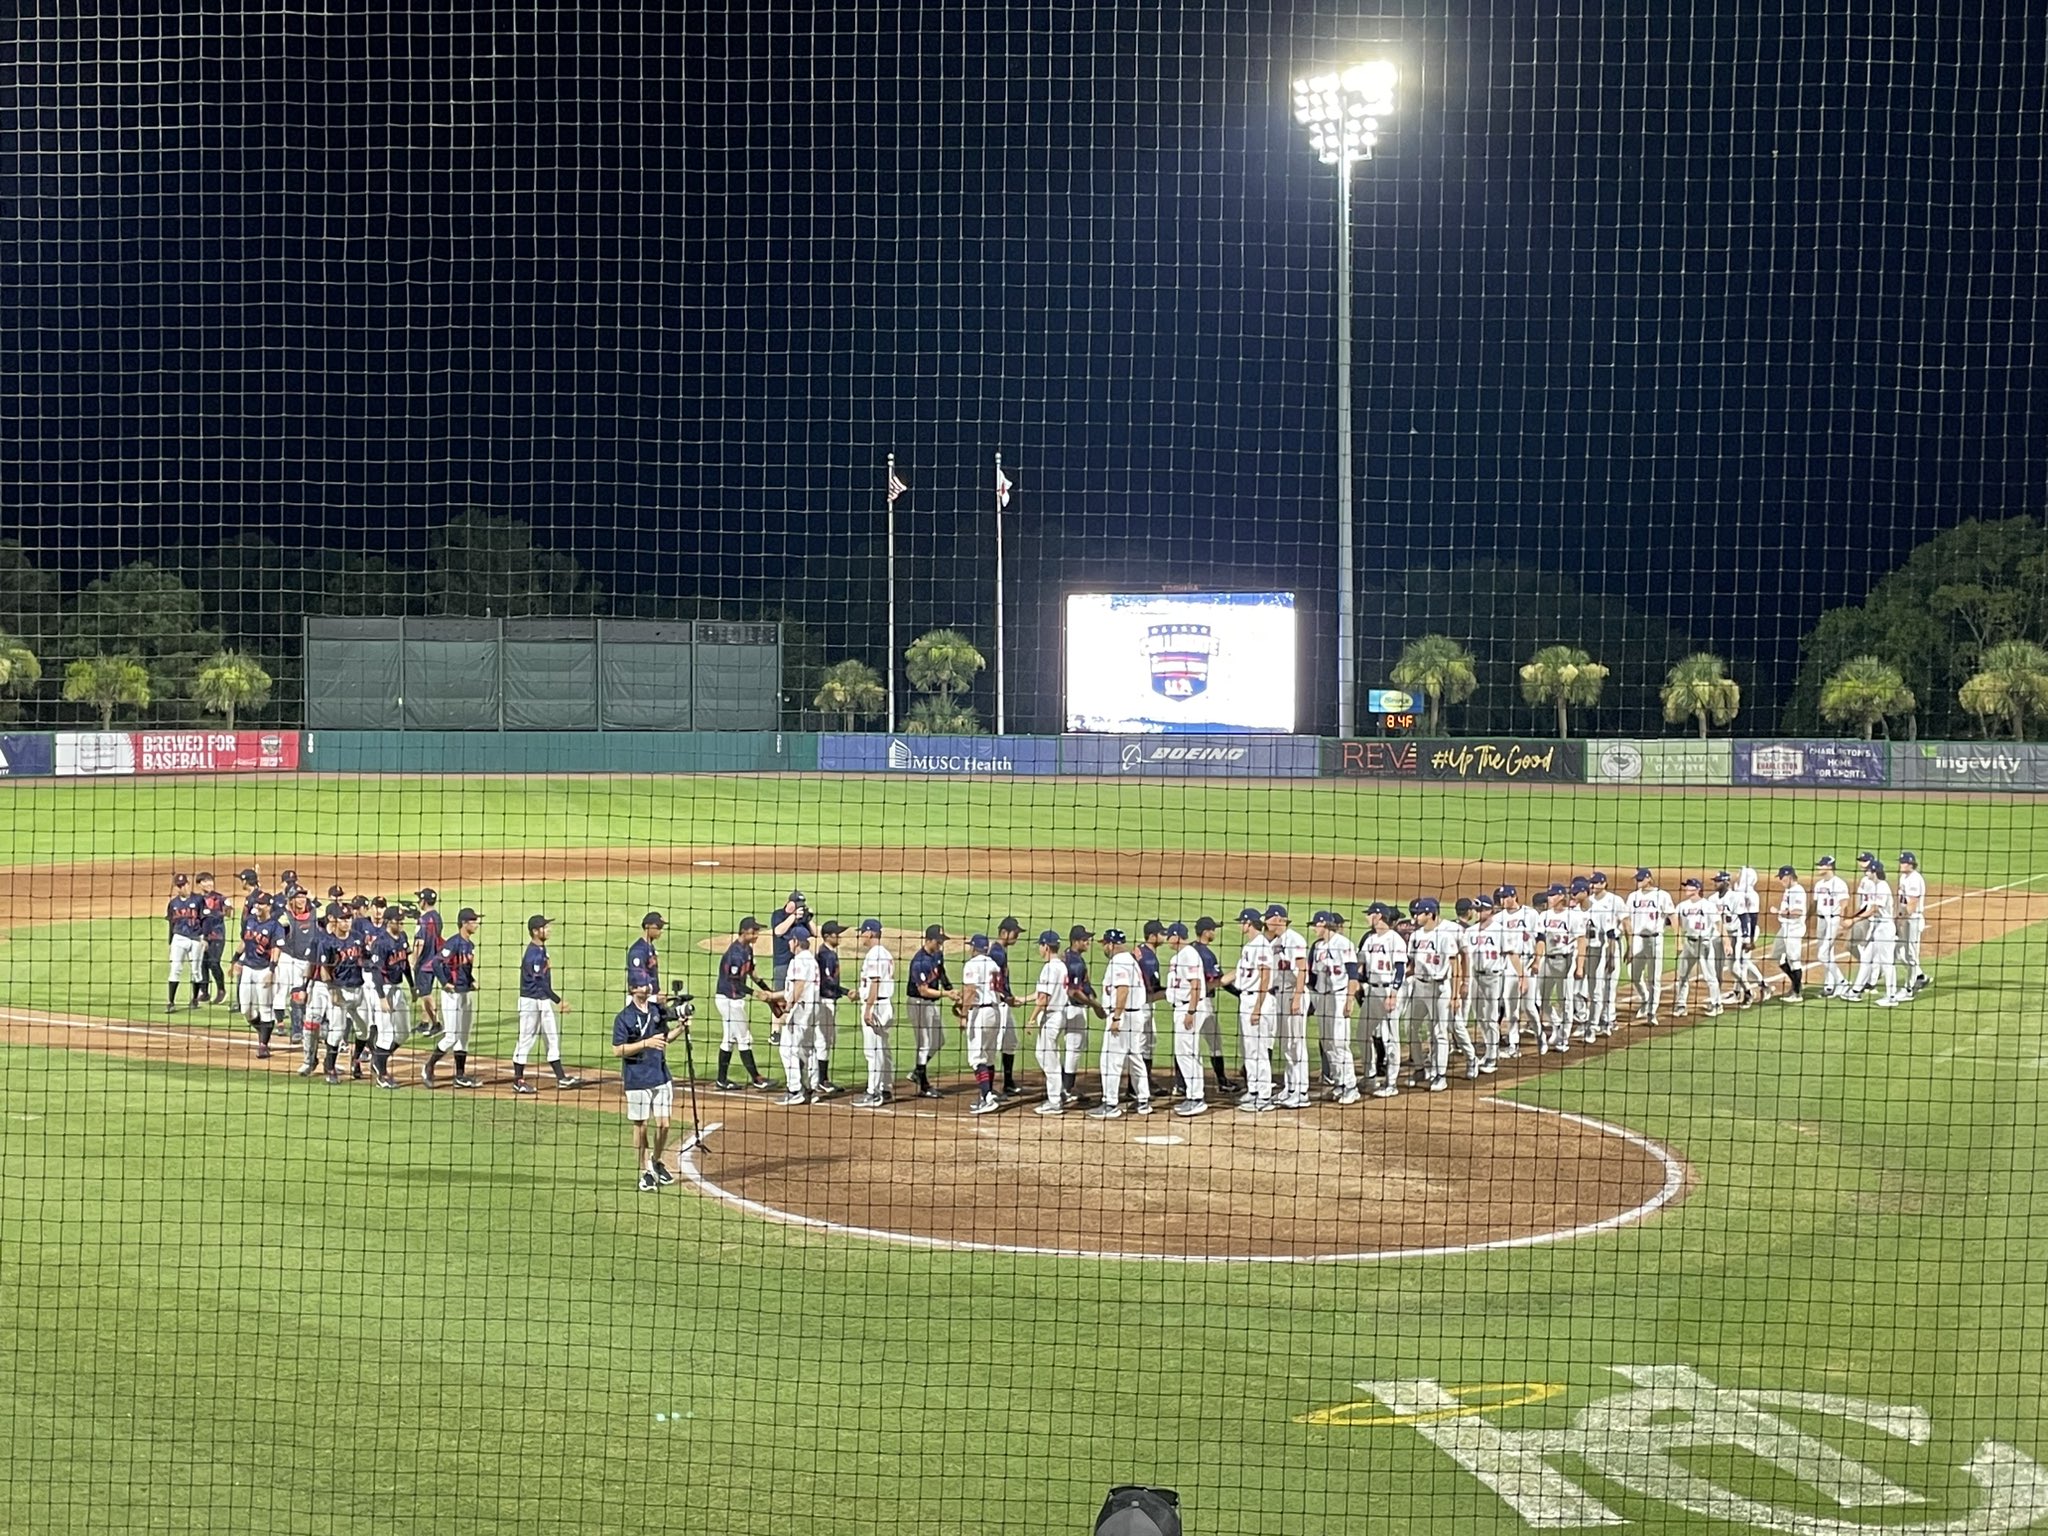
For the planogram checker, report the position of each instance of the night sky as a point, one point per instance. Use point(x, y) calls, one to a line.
point(1717, 309)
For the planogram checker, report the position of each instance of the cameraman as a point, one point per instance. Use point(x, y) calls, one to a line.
point(795, 913)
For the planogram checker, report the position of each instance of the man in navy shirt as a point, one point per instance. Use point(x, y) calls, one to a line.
point(795, 913)
point(455, 970)
point(540, 1006)
point(1147, 956)
point(1008, 932)
point(256, 971)
point(929, 986)
point(1212, 982)
point(186, 916)
point(426, 960)
point(390, 971)
point(1081, 1001)
point(213, 932)
point(643, 957)
point(831, 988)
point(640, 1041)
point(736, 983)
point(341, 962)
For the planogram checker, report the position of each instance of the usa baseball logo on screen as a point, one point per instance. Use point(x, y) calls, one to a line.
point(1179, 656)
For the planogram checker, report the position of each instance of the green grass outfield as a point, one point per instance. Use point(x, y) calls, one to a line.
point(232, 1302)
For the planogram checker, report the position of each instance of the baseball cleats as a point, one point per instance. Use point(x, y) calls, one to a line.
point(466, 1081)
point(1386, 1091)
point(1346, 1096)
point(1488, 1068)
point(869, 1101)
point(647, 1185)
point(1252, 1106)
point(355, 1069)
point(1229, 1086)
point(1106, 1112)
point(829, 1091)
point(1187, 1109)
point(1144, 1106)
point(761, 1085)
point(568, 1082)
point(1438, 1084)
point(522, 1086)
point(722, 1086)
point(1791, 997)
point(1050, 1107)
point(987, 1104)
point(426, 1076)
point(1885, 1002)
point(662, 1175)
point(929, 1092)
point(263, 1053)
point(1922, 982)
point(794, 1099)
point(1296, 1100)
point(387, 1082)
point(333, 1079)
point(306, 1070)
point(1472, 1072)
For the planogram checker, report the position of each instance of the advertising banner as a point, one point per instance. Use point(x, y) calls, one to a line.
point(23, 757)
point(85, 753)
point(1813, 764)
point(2016, 765)
point(1659, 762)
point(1504, 759)
point(1392, 758)
point(1194, 662)
point(996, 756)
point(1192, 757)
point(92, 753)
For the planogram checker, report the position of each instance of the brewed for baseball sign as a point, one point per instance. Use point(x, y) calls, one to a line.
point(1180, 662)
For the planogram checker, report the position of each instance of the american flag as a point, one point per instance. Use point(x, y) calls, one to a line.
point(1002, 486)
point(896, 486)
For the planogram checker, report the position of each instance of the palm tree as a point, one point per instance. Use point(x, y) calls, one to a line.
point(1862, 691)
point(936, 715)
point(1562, 675)
point(228, 682)
point(850, 689)
point(107, 683)
point(942, 662)
point(2011, 683)
point(1440, 669)
point(1699, 688)
point(19, 669)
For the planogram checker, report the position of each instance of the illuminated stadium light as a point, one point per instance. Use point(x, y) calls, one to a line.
point(1342, 110)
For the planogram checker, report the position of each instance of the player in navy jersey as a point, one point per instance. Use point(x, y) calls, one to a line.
point(302, 935)
point(1146, 953)
point(1212, 982)
point(390, 973)
point(1008, 932)
point(540, 1006)
point(455, 973)
point(831, 988)
point(736, 985)
point(186, 917)
point(341, 961)
point(643, 956)
point(255, 967)
point(426, 960)
point(214, 937)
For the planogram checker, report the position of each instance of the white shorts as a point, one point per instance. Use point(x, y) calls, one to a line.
point(643, 1104)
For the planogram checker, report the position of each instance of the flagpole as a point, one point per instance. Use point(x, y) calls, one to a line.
point(1002, 721)
point(889, 496)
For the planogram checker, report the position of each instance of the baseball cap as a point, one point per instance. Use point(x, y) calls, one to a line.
point(1176, 930)
point(467, 915)
point(392, 914)
point(978, 941)
point(1785, 870)
point(1154, 928)
point(832, 928)
point(1643, 872)
point(750, 925)
point(871, 925)
point(1907, 856)
point(1462, 906)
point(1825, 861)
point(1337, 919)
point(1553, 889)
point(1050, 939)
point(1205, 925)
point(334, 912)
point(1250, 915)
point(179, 880)
point(1503, 892)
point(358, 902)
point(1276, 910)
point(1380, 909)
point(1580, 885)
point(1426, 906)
point(1866, 857)
point(937, 931)
point(1691, 883)
point(1079, 931)
point(1598, 877)
point(1722, 877)
point(654, 920)
point(799, 934)
point(289, 876)
point(428, 894)
point(1113, 936)
point(536, 922)
point(1009, 925)
point(796, 895)
point(1482, 902)
point(336, 892)
point(247, 877)
point(204, 874)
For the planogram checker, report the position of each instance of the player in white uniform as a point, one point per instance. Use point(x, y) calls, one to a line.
point(1699, 925)
point(1650, 912)
point(1516, 925)
point(1257, 1007)
point(877, 1015)
point(1747, 906)
point(1560, 968)
point(1913, 918)
point(1433, 960)
point(1048, 1023)
point(1727, 934)
point(1789, 949)
point(1608, 915)
point(1830, 904)
point(1486, 979)
point(1187, 989)
point(800, 1020)
point(1336, 993)
point(981, 1011)
point(1383, 967)
point(1290, 1006)
point(1459, 927)
point(1876, 907)
point(1125, 1008)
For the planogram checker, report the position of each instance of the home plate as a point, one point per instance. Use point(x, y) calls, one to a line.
point(1157, 1141)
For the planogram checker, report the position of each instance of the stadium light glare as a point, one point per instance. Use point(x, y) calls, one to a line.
point(1343, 111)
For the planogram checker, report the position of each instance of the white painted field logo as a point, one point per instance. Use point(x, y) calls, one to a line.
point(1645, 1438)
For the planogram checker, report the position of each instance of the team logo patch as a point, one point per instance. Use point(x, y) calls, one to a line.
point(1179, 657)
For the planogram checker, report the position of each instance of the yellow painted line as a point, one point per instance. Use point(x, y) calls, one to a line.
point(1472, 1399)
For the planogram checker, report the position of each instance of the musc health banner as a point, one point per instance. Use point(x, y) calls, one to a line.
point(942, 756)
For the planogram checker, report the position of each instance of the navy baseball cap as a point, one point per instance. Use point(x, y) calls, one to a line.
point(358, 902)
point(799, 934)
point(1722, 877)
point(832, 928)
point(537, 922)
point(1462, 906)
point(1580, 885)
point(1050, 939)
point(1337, 919)
point(334, 912)
point(289, 875)
point(1380, 909)
point(467, 915)
point(1154, 928)
point(1250, 915)
point(1113, 936)
point(1276, 910)
point(1503, 892)
point(750, 925)
point(654, 920)
point(1425, 906)
point(247, 877)
point(1786, 871)
point(1553, 889)
point(1009, 925)
point(1825, 861)
point(393, 914)
point(428, 894)
point(1079, 931)
point(1176, 930)
point(1866, 857)
point(336, 892)
point(978, 941)
point(1691, 883)
point(204, 874)
point(179, 880)
point(871, 925)
point(1907, 856)
point(1482, 902)
point(937, 931)
point(796, 895)
point(1598, 877)
point(1643, 873)
point(1205, 925)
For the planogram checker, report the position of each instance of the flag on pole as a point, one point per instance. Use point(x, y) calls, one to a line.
point(1002, 484)
point(896, 486)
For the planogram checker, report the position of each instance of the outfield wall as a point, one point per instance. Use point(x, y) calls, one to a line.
point(522, 752)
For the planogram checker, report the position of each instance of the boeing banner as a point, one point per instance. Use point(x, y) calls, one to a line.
point(940, 756)
point(1192, 757)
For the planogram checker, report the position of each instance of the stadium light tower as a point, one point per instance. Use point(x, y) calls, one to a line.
point(1342, 111)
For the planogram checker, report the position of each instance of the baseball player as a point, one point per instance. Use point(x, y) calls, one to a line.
point(1912, 903)
point(1699, 928)
point(930, 988)
point(1257, 1009)
point(214, 909)
point(1187, 988)
point(877, 1015)
point(255, 970)
point(1560, 967)
point(1206, 1016)
point(389, 967)
point(1433, 964)
point(455, 977)
point(825, 1017)
point(1335, 994)
point(1081, 1002)
point(1383, 967)
point(980, 1009)
point(185, 915)
point(1516, 925)
point(1789, 948)
point(799, 1020)
point(1739, 908)
point(1290, 1006)
point(1487, 982)
point(736, 983)
point(1008, 933)
point(1650, 911)
point(640, 1035)
point(347, 1016)
point(643, 957)
point(295, 960)
point(1608, 914)
point(540, 1010)
point(1876, 906)
point(426, 960)
point(1049, 1022)
point(1830, 905)
point(1146, 953)
point(1125, 1010)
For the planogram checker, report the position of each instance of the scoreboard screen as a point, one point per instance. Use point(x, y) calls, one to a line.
point(1180, 661)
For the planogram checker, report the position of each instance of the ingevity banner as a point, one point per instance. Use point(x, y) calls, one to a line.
point(2017, 765)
